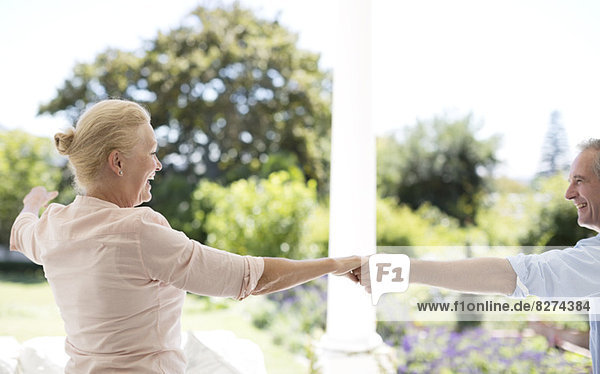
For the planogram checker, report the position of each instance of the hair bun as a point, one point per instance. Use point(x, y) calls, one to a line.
point(63, 141)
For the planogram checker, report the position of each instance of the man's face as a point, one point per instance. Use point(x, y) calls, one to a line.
point(584, 190)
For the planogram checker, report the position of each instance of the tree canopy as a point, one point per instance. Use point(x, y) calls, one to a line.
point(230, 95)
point(555, 149)
point(439, 161)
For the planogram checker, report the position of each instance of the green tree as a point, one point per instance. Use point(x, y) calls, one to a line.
point(505, 215)
point(555, 150)
point(553, 220)
point(390, 159)
point(260, 217)
point(229, 93)
point(25, 161)
point(441, 162)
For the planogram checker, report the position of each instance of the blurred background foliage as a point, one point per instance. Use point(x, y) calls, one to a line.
point(231, 95)
point(261, 217)
point(242, 116)
point(25, 161)
point(441, 161)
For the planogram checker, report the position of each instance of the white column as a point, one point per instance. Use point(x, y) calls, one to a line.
point(350, 315)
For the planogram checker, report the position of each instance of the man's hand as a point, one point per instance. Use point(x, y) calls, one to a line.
point(364, 276)
point(37, 198)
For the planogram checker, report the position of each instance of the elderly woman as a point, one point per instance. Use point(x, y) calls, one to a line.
point(119, 273)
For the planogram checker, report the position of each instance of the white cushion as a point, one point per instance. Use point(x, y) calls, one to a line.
point(214, 352)
point(221, 352)
point(9, 355)
point(45, 354)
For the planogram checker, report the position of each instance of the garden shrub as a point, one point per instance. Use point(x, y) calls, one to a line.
point(259, 217)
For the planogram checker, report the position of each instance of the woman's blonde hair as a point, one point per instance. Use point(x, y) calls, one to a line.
point(106, 126)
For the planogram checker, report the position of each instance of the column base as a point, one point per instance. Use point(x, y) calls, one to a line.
point(330, 343)
point(346, 358)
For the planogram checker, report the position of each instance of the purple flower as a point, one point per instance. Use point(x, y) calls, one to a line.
point(407, 343)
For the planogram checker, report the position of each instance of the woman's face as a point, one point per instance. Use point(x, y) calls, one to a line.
point(141, 166)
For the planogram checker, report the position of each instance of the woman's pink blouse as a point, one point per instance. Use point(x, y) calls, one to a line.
point(119, 277)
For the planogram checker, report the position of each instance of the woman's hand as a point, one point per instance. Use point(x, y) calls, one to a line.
point(350, 267)
point(37, 198)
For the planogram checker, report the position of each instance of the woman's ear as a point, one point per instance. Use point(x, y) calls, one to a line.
point(115, 162)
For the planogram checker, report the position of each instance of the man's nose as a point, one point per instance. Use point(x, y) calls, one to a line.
point(571, 192)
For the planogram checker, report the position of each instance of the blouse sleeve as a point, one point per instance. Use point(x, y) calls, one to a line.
point(22, 237)
point(171, 257)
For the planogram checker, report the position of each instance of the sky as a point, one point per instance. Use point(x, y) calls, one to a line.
point(509, 63)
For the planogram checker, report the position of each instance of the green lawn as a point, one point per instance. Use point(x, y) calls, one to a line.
point(27, 310)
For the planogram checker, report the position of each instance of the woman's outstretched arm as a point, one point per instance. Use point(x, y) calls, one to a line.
point(281, 273)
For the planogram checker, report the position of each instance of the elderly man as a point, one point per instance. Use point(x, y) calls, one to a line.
point(572, 272)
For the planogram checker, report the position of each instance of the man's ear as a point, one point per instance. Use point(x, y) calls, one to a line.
point(115, 162)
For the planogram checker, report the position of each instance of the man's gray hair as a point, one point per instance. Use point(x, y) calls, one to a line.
point(593, 144)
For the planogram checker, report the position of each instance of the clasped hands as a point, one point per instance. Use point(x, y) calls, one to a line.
point(356, 268)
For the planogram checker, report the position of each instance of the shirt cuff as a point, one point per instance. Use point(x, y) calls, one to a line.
point(253, 270)
point(519, 267)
